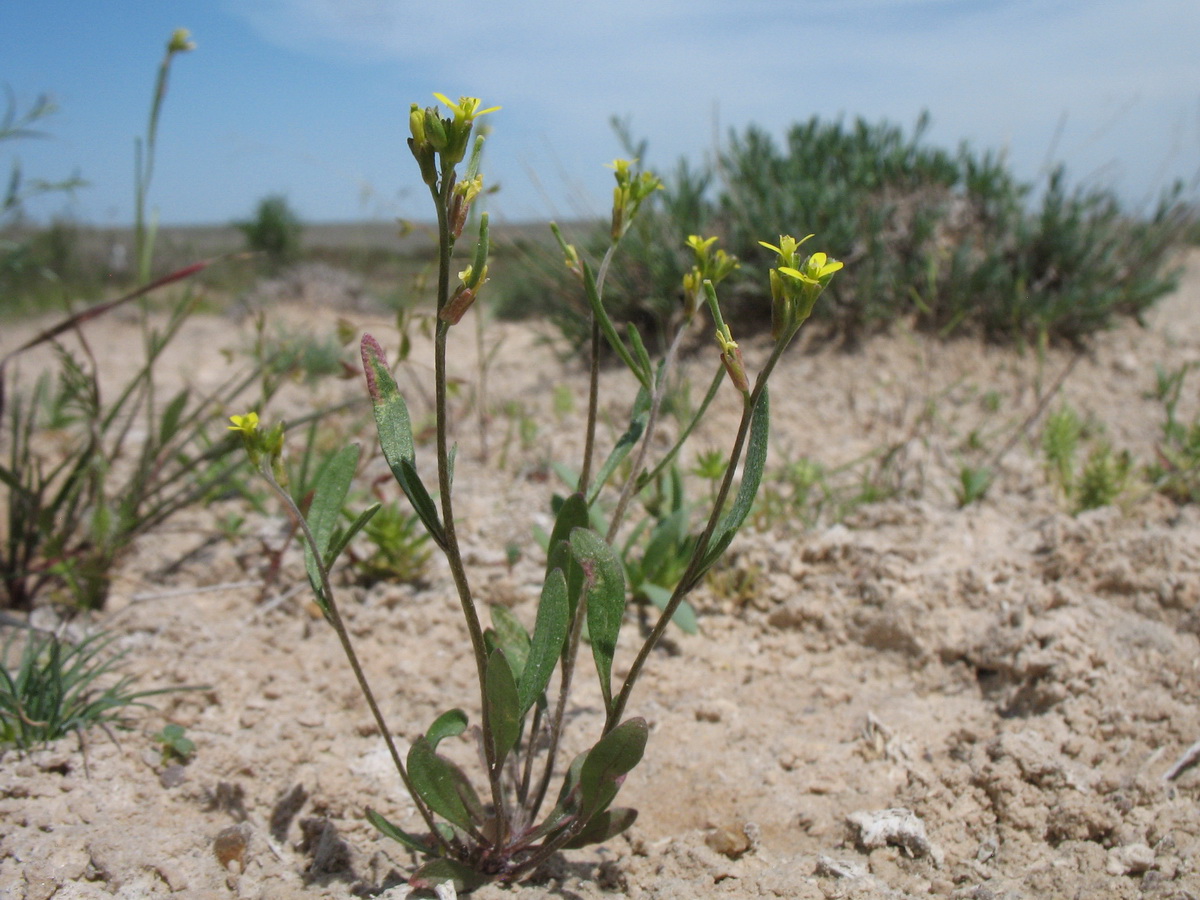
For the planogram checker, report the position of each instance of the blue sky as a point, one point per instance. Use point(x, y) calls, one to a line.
point(310, 97)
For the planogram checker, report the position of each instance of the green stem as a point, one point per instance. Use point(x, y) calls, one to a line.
point(452, 552)
point(694, 569)
point(334, 617)
point(660, 389)
point(589, 441)
point(648, 477)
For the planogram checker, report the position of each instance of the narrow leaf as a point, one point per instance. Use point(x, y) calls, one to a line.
point(347, 536)
point(171, 416)
point(441, 784)
point(504, 717)
point(639, 351)
point(329, 495)
point(395, 435)
point(332, 484)
point(603, 827)
point(606, 326)
point(608, 762)
point(449, 724)
point(571, 515)
point(604, 586)
point(621, 450)
point(756, 460)
point(512, 638)
point(387, 829)
point(549, 636)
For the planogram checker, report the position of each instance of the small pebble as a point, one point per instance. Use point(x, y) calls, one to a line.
point(230, 845)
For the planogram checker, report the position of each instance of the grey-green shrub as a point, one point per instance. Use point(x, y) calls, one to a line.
point(951, 239)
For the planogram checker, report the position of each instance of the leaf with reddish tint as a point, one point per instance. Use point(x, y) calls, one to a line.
point(443, 786)
point(604, 587)
point(603, 826)
point(608, 763)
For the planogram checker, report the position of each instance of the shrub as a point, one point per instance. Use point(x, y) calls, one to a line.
point(950, 239)
point(274, 231)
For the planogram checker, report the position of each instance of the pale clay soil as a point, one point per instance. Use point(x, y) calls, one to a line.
point(1018, 679)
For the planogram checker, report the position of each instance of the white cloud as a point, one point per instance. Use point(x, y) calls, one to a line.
point(993, 71)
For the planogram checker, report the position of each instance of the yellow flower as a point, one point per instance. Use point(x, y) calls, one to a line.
point(466, 109)
point(180, 41)
point(787, 248)
point(725, 339)
point(247, 424)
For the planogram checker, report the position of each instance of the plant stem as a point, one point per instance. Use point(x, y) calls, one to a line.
point(660, 389)
point(589, 441)
point(694, 569)
point(334, 616)
point(452, 551)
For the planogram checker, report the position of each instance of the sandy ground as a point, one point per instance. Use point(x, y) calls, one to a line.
point(1015, 680)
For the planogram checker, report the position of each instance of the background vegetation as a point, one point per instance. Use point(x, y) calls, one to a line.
point(950, 240)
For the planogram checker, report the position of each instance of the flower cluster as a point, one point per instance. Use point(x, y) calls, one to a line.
point(260, 444)
point(181, 41)
point(446, 136)
point(629, 193)
point(796, 285)
point(709, 266)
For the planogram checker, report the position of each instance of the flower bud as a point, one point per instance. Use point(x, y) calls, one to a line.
point(181, 41)
point(416, 124)
point(731, 358)
point(457, 306)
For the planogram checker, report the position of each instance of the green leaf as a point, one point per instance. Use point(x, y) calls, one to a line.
point(329, 495)
point(568, 794)
point(667, 546)
point(756, 460)
point(512, 638)
point(387, 829)
point(442, 871)
point(449, 724)
point(619, 452)
point(503, 705)
point(639, 352)
point(571, 515)
point(395, 436)
point(602, 827)
point(442, 785)
point(549, 636)
point(684, 615)
point(604, 585)
point(344, 539)
point(609, 762)
point(171, 416)
point(607, 327)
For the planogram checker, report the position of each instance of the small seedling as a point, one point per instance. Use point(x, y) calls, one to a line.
point(176, 746)
point(973, 484)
